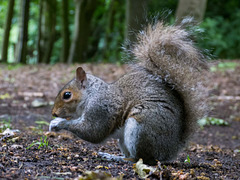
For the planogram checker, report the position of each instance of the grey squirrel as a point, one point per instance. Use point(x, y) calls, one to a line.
point(152, 110)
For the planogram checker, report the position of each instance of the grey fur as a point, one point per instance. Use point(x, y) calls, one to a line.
point(154, 108)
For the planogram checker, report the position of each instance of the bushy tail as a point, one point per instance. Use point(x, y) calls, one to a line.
point(169, 52)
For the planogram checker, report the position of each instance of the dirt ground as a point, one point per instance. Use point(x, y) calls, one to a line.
point(26, 97)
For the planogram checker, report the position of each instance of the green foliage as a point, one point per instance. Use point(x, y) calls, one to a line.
point(108, 33)
point(165, 10)
point(221, 28)
point(187, 160)
point(4, 124)
point(222, 8)
point(42, 143)
point(223, 66)
point(222, 36)
point(212, 121)
point(3, 12)
point(55, 52)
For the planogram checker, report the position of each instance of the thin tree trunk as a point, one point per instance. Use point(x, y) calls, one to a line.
point(83, 15)
point(109, 27)
point(65, 32)
point(7, 29)
point(23, 36)
point(192, 8)
point(135, 17)
point(39, 46)
point(50, 32)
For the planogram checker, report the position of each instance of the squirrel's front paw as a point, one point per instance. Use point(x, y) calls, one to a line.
point(57, 124)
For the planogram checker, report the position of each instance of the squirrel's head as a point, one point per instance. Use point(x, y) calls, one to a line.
point(70, 96)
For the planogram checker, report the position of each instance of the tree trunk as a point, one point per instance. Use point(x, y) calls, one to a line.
point(191, 8)
point(65, 32)
point(135, 17)
point(83, 15)
point(23, 34)
point(109, 28)
point(7, 29)
point(49, 31)
point(39, 45)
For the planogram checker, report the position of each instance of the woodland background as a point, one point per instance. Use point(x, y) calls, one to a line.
point(51, 31)
point(43, 41)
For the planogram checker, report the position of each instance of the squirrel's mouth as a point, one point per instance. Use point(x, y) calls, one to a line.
point(66, 117)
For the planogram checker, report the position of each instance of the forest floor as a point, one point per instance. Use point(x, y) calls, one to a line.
point(26, 97)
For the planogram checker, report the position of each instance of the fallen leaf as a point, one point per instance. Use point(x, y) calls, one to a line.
point(92, 175)
point(143, 170)
point(99, 167)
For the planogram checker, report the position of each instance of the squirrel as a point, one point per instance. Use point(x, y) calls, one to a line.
point(152, 110)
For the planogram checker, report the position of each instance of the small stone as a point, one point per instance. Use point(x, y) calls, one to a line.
point(16, 146)
point(39, 103)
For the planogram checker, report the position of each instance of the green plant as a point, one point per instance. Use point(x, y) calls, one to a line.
point(41, 124)
point(212, 121)
point(187, 160)
point(4, 124)
point(41, 143)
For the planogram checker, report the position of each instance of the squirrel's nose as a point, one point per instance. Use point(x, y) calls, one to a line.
point(54, 114)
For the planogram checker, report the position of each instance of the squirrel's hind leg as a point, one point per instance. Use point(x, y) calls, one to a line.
point(140, 141)
point(119, 134)
point(128, 141)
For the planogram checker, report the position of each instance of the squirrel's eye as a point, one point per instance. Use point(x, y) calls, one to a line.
point(67, 95)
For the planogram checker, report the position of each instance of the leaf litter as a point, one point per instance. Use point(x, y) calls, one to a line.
point(213, 153)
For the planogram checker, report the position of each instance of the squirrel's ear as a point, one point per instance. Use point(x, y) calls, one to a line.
point(81, 76)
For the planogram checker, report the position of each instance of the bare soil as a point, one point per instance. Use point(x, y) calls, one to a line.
point(214, 151)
